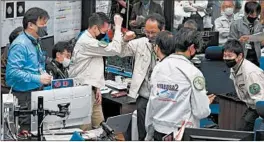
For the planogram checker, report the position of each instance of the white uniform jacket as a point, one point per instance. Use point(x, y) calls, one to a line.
point(222, 25)
point(87, 60)
point(197, 6)
point(142, 50)
point(249, 83)
point(178, 94)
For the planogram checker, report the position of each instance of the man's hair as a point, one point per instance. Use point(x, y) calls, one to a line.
point(61, 47)
point(98, 19)
point(157, 17)
point(190, 24)
point(33, 14)
point(14, 34)
point(233, 45)
point(165, 42)
point(251, 7)
point(185, 37)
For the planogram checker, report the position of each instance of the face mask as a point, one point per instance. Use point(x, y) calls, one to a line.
point(251, 20)
point(42, 31)
point(66, 62)
point(229, 11)
point(230, 62)
point(100, 36)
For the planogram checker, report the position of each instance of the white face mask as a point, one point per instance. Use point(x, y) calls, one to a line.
point(229, 11)
point(66, 62)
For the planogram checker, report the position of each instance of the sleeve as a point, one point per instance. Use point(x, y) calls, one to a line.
point(199, 100)
point(233, 34)
point(255, 86)
point(14, 71)
point(50, 69)
point(130, 48)
point(218, 27)
point(201, 4)
point(93, 47)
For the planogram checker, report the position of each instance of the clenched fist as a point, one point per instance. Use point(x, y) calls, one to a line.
point(118, 20)
point(129, 35)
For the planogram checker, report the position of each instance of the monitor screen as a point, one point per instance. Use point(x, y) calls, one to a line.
point(47, 44)
point(210, 38)
point(201, 134)
point(125, 64)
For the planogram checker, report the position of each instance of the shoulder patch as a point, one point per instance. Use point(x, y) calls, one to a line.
point(199, 83)
point(103, 43)
point(254, 88)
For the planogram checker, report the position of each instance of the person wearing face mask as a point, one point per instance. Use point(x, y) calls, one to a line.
point(222, 24)
point(178, 87)
point(87, 65)
point(25, 71)
point(248, 81)
point(248, 25)
point(58, 67)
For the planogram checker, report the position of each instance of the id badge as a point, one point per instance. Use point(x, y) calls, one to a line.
point(248, 46)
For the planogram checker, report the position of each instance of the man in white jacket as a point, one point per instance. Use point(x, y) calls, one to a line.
point(178, 89)
point(87, 66)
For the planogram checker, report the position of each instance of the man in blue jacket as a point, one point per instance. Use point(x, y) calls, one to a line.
point(26, 62)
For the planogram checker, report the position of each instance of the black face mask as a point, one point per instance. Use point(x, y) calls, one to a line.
point(230, 62)
point(100, 36)
point(42, 31)
point(251, 20)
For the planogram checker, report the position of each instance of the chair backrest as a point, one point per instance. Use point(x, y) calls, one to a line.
point(214, 53)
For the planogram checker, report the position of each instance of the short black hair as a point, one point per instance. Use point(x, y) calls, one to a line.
point(190, 24)
point(61, 47)
point(157, 17)
point(13, 35)
point(185, 37)
point(233, 45)
point(165, 42)
point(33, 14)
point(251, 7)
point(98, 19)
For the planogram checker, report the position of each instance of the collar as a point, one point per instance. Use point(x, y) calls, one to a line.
point(245, 21)
point(31, 38)
point(224, 17)
point(182, 57)
point(58, 64)
point(239, 70)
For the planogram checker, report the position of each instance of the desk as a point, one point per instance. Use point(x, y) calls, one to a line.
point(116, 106)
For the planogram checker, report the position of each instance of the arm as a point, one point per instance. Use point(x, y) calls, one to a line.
point(200, 5)
point(233, 34)
point(130, 48)
point(92, 47)
point(199, 100)
point(14, 72)
point(122, 2)
point(255, 86)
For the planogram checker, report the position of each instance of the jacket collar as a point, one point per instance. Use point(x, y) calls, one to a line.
point(246, 22)
point(182, 57)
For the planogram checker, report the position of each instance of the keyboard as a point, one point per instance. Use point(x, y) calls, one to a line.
point(115, 85)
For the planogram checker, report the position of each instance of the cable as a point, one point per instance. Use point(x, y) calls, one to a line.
point(9, 129)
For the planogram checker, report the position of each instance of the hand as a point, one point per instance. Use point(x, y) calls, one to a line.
point(244, 38)
point(211, 98)
point(133, 23)
point(262, 43)
point(118, 20)
point(98, 96)
point(45, 78)
point(129, 35)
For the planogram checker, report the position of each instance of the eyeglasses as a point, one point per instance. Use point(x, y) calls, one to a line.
point(143, 30)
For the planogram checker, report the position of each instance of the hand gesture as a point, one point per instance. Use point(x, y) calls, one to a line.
point(118, 20)
point(211, 98)
point(45, 78)
point(244, 38)
point(129, 35)
point(98, 96)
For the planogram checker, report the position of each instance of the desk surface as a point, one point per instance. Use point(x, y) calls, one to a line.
point(120, 100)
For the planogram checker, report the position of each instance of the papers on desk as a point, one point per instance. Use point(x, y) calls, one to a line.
point(58, 137)
point(256, 37)
point(92, 134)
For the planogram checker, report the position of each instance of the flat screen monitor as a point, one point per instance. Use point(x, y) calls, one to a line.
point(210, 38)
point(80, 106)
point(201, 134)
point(47, 44)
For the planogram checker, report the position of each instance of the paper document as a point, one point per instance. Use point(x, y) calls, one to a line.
point(256, 37)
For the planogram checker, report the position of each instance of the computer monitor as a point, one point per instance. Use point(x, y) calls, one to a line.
point(47, 44)
point(80, 106)
point(210, 38)
point(259, 135)
point(201, 134)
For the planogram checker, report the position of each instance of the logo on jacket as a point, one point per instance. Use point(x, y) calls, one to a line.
point(167, 91)
point(199, 83)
